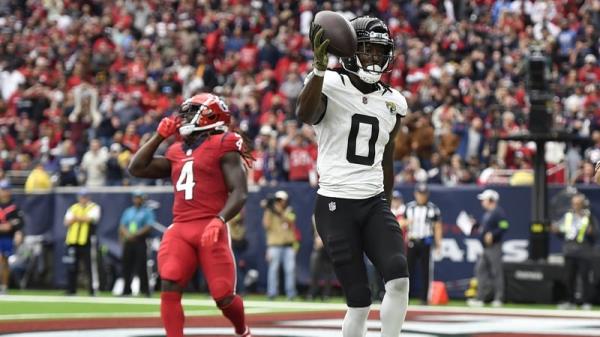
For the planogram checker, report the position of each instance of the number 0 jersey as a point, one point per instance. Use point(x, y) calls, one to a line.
point(198, 182)
point(352, 135)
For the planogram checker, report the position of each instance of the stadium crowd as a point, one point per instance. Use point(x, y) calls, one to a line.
point(84, 83)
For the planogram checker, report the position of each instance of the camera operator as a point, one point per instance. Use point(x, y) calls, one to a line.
point(278, 221)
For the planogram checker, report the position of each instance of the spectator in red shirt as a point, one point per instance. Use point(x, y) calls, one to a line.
point(152, 97)
point(248, 57)
point(247, 53)
point(131, 140)
point(302, 157)
point(590, 72)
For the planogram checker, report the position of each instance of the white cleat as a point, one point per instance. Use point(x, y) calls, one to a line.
point(474, 303)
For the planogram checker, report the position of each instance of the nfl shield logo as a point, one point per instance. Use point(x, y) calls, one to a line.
point(365, 100)
point(332, 206)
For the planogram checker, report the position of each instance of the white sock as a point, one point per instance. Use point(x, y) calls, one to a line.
point(355, 322)
point(393, 307)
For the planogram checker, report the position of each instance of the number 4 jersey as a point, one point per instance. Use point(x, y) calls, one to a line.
point(352, 135)
point(198, 182)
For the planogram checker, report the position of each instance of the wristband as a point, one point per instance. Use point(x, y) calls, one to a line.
point(221, 218)
point(317, 72)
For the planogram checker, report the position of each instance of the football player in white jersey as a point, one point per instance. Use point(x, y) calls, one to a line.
point(356, 117)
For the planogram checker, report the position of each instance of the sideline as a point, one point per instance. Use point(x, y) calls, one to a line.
point(63, 315)
point(271, 306)
point(273, 332)
point(156, 301)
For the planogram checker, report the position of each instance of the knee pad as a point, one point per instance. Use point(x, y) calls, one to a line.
point(395, 267)
point(220, 288)
point(398, 286)
point(358, 296)
point(225, 302)
point(172, 273)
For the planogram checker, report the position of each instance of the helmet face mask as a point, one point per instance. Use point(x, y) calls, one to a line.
point(203, 112)
point(188, 113)
point(373, 57)
point(375, 50)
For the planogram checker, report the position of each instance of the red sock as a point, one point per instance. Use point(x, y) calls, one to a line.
point(235, 313)
point(171, 313)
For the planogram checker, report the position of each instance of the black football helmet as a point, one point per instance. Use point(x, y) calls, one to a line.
point(375, 49)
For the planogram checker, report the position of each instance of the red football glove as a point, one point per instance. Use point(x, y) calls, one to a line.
point(168, 126)
point(211, 232)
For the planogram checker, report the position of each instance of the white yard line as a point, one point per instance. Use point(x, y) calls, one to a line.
point(77, 299)
point(188, 313)
point(224, 331)
point(508, 311)
point(11, 317)
point(156, 301)
point(270, 306)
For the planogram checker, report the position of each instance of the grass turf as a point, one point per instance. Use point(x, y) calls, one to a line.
point(17, 308)
point(142, 306)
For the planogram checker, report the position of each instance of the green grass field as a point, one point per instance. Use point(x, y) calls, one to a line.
point(53, 304)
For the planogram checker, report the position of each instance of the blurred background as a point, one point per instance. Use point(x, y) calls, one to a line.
point(84, 83)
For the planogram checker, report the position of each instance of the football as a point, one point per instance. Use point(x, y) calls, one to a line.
point(339, 31)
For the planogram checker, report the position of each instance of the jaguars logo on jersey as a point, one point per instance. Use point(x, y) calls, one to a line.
point(392, 107)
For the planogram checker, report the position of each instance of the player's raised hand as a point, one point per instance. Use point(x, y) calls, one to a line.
point(319, 47)
point(168, 126)
point(211, 232)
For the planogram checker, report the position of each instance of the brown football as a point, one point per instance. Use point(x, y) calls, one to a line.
point(339, 31)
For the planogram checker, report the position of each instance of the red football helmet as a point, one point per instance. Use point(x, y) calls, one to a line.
point(203, 112)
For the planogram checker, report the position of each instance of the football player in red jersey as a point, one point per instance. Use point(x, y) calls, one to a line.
point(210, 186)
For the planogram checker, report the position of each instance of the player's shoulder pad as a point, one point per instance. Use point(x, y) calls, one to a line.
point(331, 79)
point(334, 83)
point(230, 142)
point(397, 102)
point(335, 78)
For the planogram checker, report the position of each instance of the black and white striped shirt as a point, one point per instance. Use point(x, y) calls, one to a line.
point(421, 219)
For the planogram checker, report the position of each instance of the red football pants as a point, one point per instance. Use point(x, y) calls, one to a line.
point(181, 252)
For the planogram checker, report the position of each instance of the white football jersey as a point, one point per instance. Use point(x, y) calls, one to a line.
point(352, 136)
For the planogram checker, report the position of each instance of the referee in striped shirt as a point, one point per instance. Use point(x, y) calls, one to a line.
point(424, 230)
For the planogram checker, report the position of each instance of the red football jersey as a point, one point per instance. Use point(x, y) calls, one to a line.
point(302, 160)
point(198, 182)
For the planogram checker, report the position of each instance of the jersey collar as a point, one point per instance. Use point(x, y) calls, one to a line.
point(195, 144)
point(372, 88)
